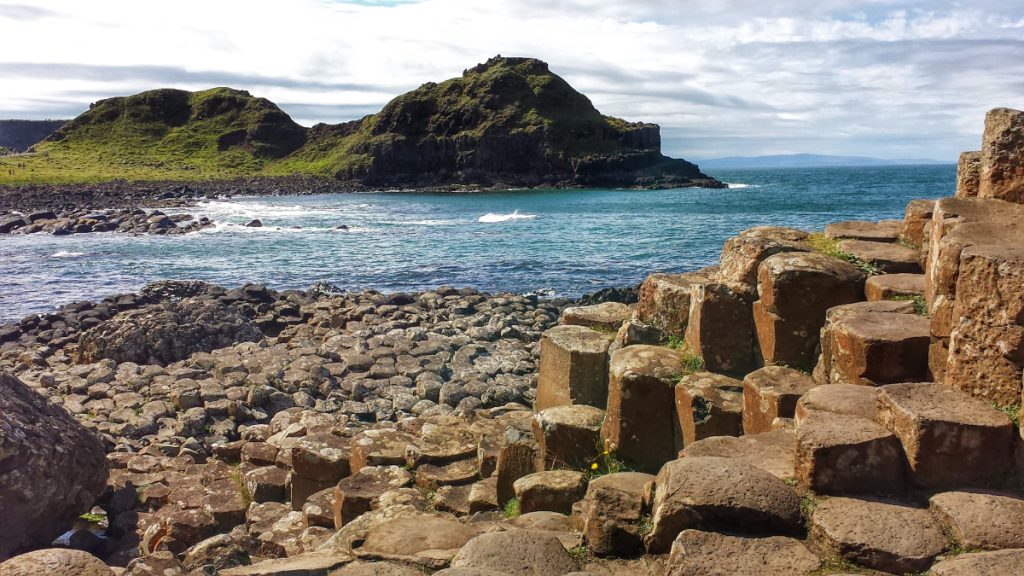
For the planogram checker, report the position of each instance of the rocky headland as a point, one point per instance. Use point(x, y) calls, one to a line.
point(844, 401)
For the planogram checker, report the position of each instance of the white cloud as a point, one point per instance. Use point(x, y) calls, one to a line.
point(739, 77)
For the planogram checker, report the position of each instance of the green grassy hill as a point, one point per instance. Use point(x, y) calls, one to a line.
point(510, 120)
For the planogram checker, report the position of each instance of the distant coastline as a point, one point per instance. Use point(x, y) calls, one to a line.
point(809, 161)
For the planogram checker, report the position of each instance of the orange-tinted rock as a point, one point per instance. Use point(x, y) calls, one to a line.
point(889, 286)
point(968, 174)
point(573, 367)
point(884, 231)
point(665, 300)
point(823, 369)
point(878, 348)
point(1002, 156)
point(839, 398)
point(769, 393)
point(981, 520)
point(772, 451)
point(847, 454)
point(917, 214)
point(568, 436)
point(950, 438)
point(640, 425)
point(378, 447)
point(887, 257)
point(708, 405)
point(609, 515)
point(721, 327)
point(607, 316)
point(743, 253)
point(360, 492)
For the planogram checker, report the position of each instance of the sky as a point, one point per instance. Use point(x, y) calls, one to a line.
point(879, 78)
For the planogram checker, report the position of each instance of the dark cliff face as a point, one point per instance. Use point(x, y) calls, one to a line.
point(20, 135)
point(508, 121)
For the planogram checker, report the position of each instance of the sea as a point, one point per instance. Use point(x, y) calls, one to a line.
point(556, 243)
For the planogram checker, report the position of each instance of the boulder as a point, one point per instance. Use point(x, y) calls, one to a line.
point(573, 367)
point(360, 492)
point(166, 332)
point(981, 520)
point(772, 451)
point(997, 563)
point(721, 495)
point(1002, 156)
point(847, 454)
point(51, 468)
point(55, 562)
point(607, 316)
point(917, 214)
point(308, 564)
point(888, 537)
point(665, 300)
point(714, 305)
point(609, 515)
point(848, 399)
point(875, 348)
point(709, 405)
point(884, 231)
point(769, 393)
point(743, 253)
point(568, 436)
point(696, 553)
point(426, 541)
point(376, 568)
point(796, 289)
point(950, 438)
point(887, 257)
point(640, 425)
point(890, 286)
point(968, 174)
point(519, 552)
point(551, 491)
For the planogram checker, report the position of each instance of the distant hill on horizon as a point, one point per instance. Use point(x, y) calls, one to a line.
point(808, 161)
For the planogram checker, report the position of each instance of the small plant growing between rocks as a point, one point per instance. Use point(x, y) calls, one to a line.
point(93, 518)
point(236, 475)
point(605, 463)
point(830, 247)
point(920, 305)
point(511, 509)
point(1012, 410)
point(645, 525)
point(579, 554)
point(675, 342)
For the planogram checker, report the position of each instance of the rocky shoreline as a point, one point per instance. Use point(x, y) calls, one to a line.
point(834, 402)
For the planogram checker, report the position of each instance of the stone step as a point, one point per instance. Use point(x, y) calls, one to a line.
point(607, 316)
point(822, 371)
point(917, 214)
point(981, 520)
point(1000, 563)
point(550, 491)
point(874, 348)
point(769, 393)
point(884, 536)
point(772, 452)
point(951, 439)
point(640, 424)
point(743, 253)
point(848, 399)
point(573, 367)
point(609, 515)
point(721, 495)
point(569, 436)
point(887, 257)
point(709, 405)
point(883, 231)
point(796, 289)
point(848, 454)
point(889, 286)
point(664, 300)
point(696, 553)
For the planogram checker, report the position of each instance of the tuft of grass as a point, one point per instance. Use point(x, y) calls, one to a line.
point(606, 462)
point(691, 361)
point(579, 554)
point(236, 475)
point(1012, 410)
point(645, 525)
point(920, 304)
point(808, 504)
point(511, 509)
point(839, 565)
point(93, 518)
point(675, 342)
point(830, 247)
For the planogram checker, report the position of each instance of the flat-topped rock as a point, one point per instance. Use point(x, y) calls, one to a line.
point(432, 476)
point(550, 491)
point(696, 553)
point(375, 568)
point(358, 493)
point(999, 563)
point(917, 214)
point(707, 405)
point(847, 454)
point(483, 495)
point(888, 537)
point(981, 520)
point(772, 451)
point(796, 289)
point(714, 305)
point(382, 447)
point(769, 393)
point(607, 316)
point(309, 564)
point(1002, 156)
point(839, 398)
point(968, 174)
point(890, 286)
point(55, 562)
point(950, 438)
point(573, 367)
point(664, 300)
point(719, 494)
point(883, 231)
point(876, 348)
point(516, 552)
point(568, 436)
point(823, 370)
point(888, 257)
point(640, 424)
point(425, 541)
point(610, 513)
point(743, 253)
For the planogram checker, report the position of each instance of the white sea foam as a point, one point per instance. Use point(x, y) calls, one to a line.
point(67, 254)
point(492, 218)
point(733, 185)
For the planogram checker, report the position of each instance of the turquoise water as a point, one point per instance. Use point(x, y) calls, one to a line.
point(564, 242)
